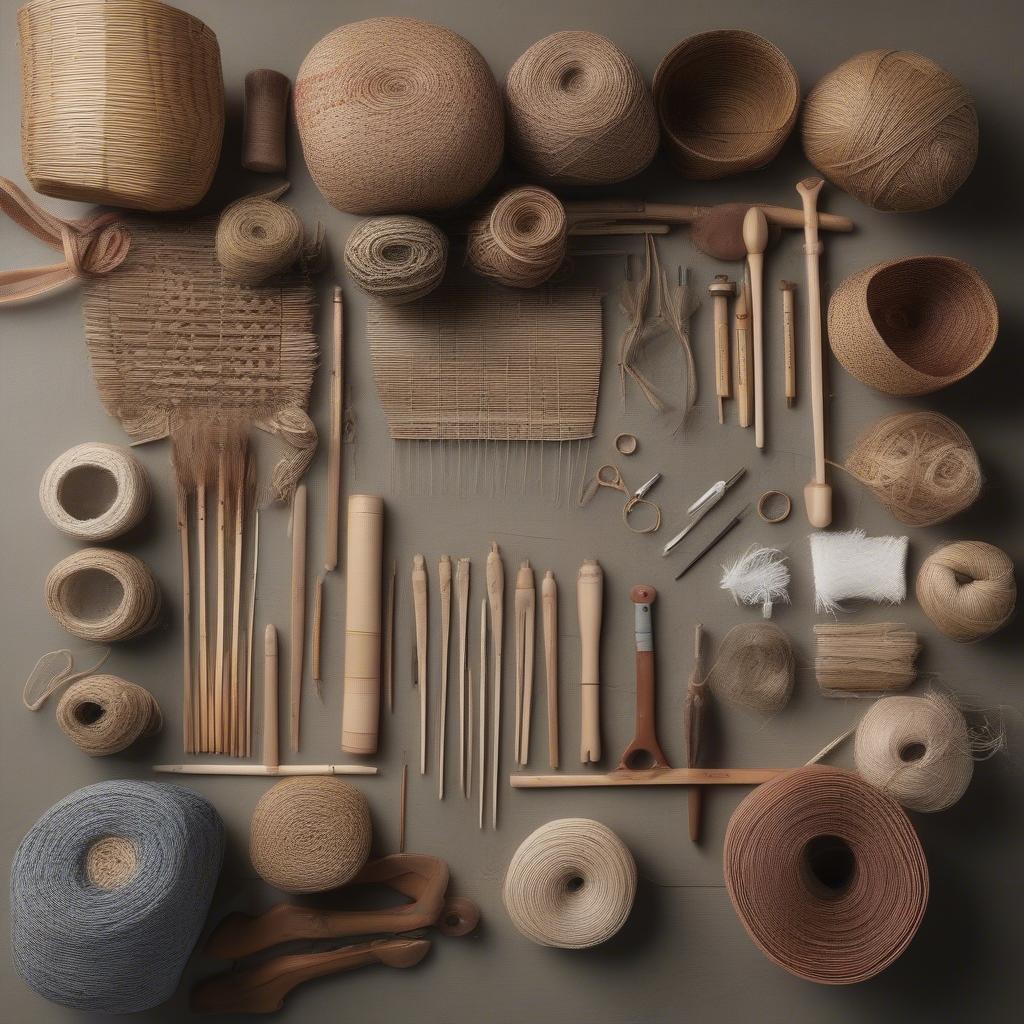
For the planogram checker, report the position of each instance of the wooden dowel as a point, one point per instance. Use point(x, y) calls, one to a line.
point(789, 339)
point(252, 633)
point(402, 798)
point(419, 598)
point(297, 634)
point(334, 453)
point(271, 756)
point(549, 608)
point(481, 711)
point(220, 684)
point(651, 777)
point(743, 356)
point(694, 722)
point(188, 732)
point(755, 237)
point(237, 704)
point(496, 598)
point(388, 654)
point(444, 579)
point(462, 599)
point(526, 615)
point(240, 768)
point(317, 634)
point(589, 602)
point(203, 666)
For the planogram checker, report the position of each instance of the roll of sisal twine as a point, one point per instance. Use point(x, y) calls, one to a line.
point(967, 589)
point(755, 667)
point(571, 884)
point(104, 715)
point(266, 121)
point(826, 874)
point(95, 491)
point(396, 259)
point(258, 237)
point(579, 111)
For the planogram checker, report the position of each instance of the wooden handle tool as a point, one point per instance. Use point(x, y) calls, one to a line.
point(788, 288)
point(419, 599)
point(743, 356)
point(720, 291)
point(297, 632)
point(444, 581)
point(693, 721)
point(496, 600)
point(549, 606)
point(589, 601)
point(755, 237)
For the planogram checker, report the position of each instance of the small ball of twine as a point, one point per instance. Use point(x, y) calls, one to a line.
point(920, 466)
point(396, 259)
point(310, 834)
point(967, 589)
point(571, 884)
point(95, 491)
point(102, 595)
point(104, 715)
point(579, 112)
point(521, 240)
point(257, 237)
point(755, 667)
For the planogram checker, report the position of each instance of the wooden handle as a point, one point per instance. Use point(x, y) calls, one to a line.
point(334, 454)
point(297, 634)
point(644, 751)
point(271, 755)
point(549, 604)
point(589, 600)
point(789, 340)
point(722, 382)
point(744, 357)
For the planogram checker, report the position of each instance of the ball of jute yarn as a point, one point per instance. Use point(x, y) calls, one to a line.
point(755, 667)
point(397, 259)
point(95, 491)
point(921, 466)
point(915, 749)
point(520, 241)
point(967, 589)
point(893, 129)
point(397, 116)
point(310, 834)
point(571, 884)
point(912, 326)
point(257, 237)
point(102, 595)
point(103, 714)
point(579, 111)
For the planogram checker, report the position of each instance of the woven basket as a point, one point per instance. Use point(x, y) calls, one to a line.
point(727, 100)
point(122, 102)
point(913, 326)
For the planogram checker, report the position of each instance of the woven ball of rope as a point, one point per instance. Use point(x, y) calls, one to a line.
point(913, 326)
point(104, 715)
point(967, 589)
point(310, 834)
point(397, 259)
point(102, 595)
point(579, 111)
point(257, 238)
point(727, 101)
point(755, 667)
point(95, 491)
point(920, 466)
point(893, 129)
point(520, 241)
point(571, 884)
point(396, 116)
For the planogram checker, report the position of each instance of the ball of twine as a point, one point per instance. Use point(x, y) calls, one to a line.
point(104, 715)
point(95, 491)
point(257, 237)
point(396, 116)
point(919, 465)
point(579, 112)
point(521, 240)
point(826, 874)
point(310, 834)
point(892, 128)
point(913, 326)
point(102, 595)
point(755, 667)
point(571, 884)
point(397, 259)
point(967, 589)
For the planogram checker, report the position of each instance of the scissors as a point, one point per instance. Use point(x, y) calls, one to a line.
point(609, 476)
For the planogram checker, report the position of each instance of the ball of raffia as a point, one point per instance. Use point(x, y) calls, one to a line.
point(396, 259)
point(893, 129)
point(310, 834)
point(104, 715)
point(257, 238)
point(397, 115)
point(579, 111)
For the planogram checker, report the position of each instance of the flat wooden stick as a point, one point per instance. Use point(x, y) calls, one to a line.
point(419, 599)
point(271, 755)
point(496, 598)
point(651, 777)
point(317, 634)
point(589, 604)
point(693, 722)
point(236, 620)
point(334, 453)
point(549, 608)
point(402, 798)
point(444, 579)
point(462, 596)
point(188, 733)
point(388, 653)
point(297, 640)
point(755, 237)
point(241, 768)
point(252, 633)
point(526, 614)
point(205, 718)
point(220, 744)
point(481, 711)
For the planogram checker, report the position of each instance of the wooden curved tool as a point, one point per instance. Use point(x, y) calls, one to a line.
point(263, 988)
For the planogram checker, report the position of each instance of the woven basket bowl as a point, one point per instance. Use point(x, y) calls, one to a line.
point(726, 100)
point(913, 326)
point(122, 102)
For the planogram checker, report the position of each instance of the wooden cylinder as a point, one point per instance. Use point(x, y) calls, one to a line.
point(266, 117)
point(364, 546)
point(589, 600)
point(271, 756)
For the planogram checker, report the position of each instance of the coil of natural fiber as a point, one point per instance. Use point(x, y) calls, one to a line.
point(755, 667)
point(579, 111)
point(520, 241)
point(892, 128)
point(266, 121)
point(727, 101)
point(102, 595)
point(122, 102)
point(864, 659)
point(967, 589)
point(921, 466)
point(310, 834)
point(104, 715)
point(913, 326)
point(397, 259)
point(826, 874)
point(109, 892)
point(397, 116)
point(258, 237)
point(95, 491)
point(571, 884)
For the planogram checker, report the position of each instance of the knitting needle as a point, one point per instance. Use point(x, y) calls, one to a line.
point(462, 595)
point(549, 606)
point(419, 598)
point(718, 536)
point(444, 578)
point(789, 339)
point(297, 635)
point(334, 453)
point(702, 506)
point(755, 237)
point(496, 597)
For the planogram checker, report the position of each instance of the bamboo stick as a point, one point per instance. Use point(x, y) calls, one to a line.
point(651, 777)
point(297, 639)
point(204, 639)
point(219, 653)
point(462, 600)
point(444, 578)
point(334, 453)
point(419, 597)
point(496, 598)
point(271, 754)
point(317, 634)
point(388, 653)
point(188, 733)
point(237, 706)
point(549, 606)
point(482, 712)
point(252, 634)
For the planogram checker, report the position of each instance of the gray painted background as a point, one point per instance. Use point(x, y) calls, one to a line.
point(683, 952)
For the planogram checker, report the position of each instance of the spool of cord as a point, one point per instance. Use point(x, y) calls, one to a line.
point(826, 874)
point(104, 715)
point(102, 595)
point(258, 237)
point(755, 667)
point(95, 491)
point(266, 121)
point(571, 884)
point(109, 892)
point(396, 259)
point(967, 589)
point(310, 834)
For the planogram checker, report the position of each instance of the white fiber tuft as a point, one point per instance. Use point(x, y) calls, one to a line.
point(852, 565)
point(759, 576)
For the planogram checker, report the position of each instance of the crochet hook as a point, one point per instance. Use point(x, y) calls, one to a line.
point(707, 547)
point(702, 506)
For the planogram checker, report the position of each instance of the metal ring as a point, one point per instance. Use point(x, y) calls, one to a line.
point(626, 444)
point(783, 513)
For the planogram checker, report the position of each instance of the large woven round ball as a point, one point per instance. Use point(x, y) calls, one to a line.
point(310, 834)
point(892, 128)
point(397, 116)
point(579, 111)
